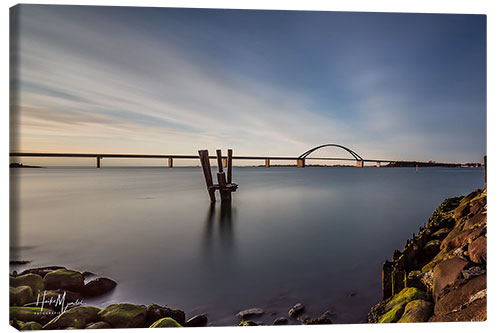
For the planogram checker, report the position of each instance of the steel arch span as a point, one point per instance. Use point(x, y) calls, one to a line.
point(310, 151)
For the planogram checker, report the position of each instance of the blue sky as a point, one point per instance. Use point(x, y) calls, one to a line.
point(160, 80)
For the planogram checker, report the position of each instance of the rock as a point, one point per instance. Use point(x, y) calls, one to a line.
point(459, 295)
point(477, 250)
point(296, 310)
point(417, 311)
point(31, 326)
point(165, 322)
point(280, 321)
point(155, 312)
point(475, 221)
point(461, 211)
point(441, 233)
point(42, 271)
point(34, 281)
point(123, 315)
point(473, 312)
point(86, 274)
point(17, 324)
point(77, 317)
point(247, 323)
point(98, 287)
point(64, 279)
point(26, 314)
point(197, 321)
point(393, 315)
point(317, 321)
point(98, 325)
point(447, 272)
point(405, 296)
point(253, 312)
point(20, 295)
point(53, 298)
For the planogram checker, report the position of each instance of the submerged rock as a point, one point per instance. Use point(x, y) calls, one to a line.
point(197, 321)
point(64, 279)
point(123, 315)
point(253, 312)
point(98, 287)
point(296, 310)
point(77, 317)
point(155, 312)
point(165, 322)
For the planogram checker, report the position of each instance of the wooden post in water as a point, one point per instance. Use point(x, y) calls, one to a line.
point(230, 166)
point(219, 161)
point(205, 166)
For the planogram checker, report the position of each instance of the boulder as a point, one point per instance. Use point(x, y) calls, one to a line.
point(280, 321)
point(34, 281)
point(417, 311)
point(473, 272)
point(155, 312)
point(441, 233)
point(98, 287)
point(31, 326)
point(20, 295)
point(477, 250)
point(405, 296)
point(26, 314)
point(446, 273)
point(317, 321)
point(98, 325)
point(247, 323)
point(459, 295)
point(393, 315)
point(475, 311)
point(197, 321)
point(123, 315)
point(475, 221)
point(461, 211)
point(248, 313)
point(165, 322)
point(77, 317)
point(296, 310)
point(42, 271)
point(64, 279)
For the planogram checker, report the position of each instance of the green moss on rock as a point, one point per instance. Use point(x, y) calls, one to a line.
point(31, 326)
point(393, 315)
point(64, 279)
point(20, 295)
point(405, 296)
point(165, 322)
point(123, 315)
point(27, 313)
point(77, 317)
point(98, 325)
point(247, 323)
point(417, 311)
point(34, 281)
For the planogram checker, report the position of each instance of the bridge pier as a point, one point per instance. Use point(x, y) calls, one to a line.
point(301, 163)
point(378, 164)
point(98, 162)
point(170, 162)
point(360, 164)
point(268, 163)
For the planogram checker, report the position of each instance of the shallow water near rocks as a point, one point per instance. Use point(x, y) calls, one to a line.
point(318, 236)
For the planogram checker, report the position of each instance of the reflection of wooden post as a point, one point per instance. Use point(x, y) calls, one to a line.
point(170, 162)
point(229, 166)
point(205, 166)
point(98, 162)
point(224, 195)
point(268, 163)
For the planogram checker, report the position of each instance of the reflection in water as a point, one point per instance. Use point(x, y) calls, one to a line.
point(224, 236)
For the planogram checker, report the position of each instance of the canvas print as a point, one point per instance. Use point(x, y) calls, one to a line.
point(194, 167)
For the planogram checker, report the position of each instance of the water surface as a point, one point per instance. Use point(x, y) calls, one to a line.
point(315, 235)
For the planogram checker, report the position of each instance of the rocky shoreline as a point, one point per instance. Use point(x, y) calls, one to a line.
point(440, 276)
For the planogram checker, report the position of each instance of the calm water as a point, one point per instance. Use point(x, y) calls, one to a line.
point(316, 235)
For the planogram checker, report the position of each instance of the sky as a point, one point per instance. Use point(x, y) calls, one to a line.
point(171, 81)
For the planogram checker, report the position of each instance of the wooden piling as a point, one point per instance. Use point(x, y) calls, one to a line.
point(219, 161)
point(225, 194)
point(207, 173)
point(229, 166)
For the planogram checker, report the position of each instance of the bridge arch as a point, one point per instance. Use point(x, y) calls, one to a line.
point(310, 151)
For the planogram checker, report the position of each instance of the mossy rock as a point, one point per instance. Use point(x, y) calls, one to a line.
point(20, 295)
point(34, 281)
point(247, 323)
point(77, 317)
point(417, 311)
point(405, 296)
point(31, 326)
point(27, 313)
point(393, 315)
point(98, 325)
point(165, 322)
point(155, 312)
point(123, 315)
point(17, 324)
point(64, 279)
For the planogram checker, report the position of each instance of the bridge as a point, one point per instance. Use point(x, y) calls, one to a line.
point(300, 160)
